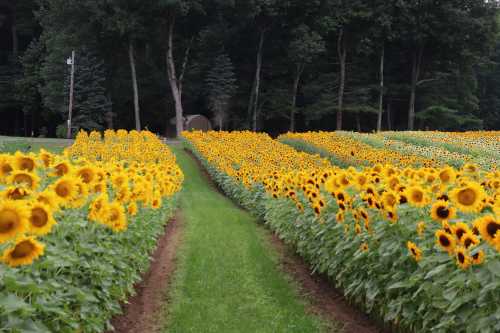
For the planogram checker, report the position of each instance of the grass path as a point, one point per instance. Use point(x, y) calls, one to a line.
point(228, 278)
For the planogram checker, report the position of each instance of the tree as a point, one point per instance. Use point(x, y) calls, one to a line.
point(221, 86)
point(91, 103)
point(304, 47)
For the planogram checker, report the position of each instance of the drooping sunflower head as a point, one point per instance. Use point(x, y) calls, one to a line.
point(445, 241)
point(16, 193)
point(463, 258)
point(23, 252)
point(24, 178)
point(441, 211)
point(46, 157)
point(13, 219)
point(48, 198)
point(468, 198)
point(24, 162)
point(415, 251)
point(41, 219)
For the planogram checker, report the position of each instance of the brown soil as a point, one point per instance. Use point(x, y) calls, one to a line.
point(324, 299)
point(142, 312)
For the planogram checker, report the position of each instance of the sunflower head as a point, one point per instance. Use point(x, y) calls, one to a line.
point(463, 258)
point(16, 193)
point(24, 162)
point(65, 189)
point(440, 211)
point(416, 196)
point(489, 228)
point(421, 228)
point(132, 208)
point(13, 219)
point(414, 250)
point(62, 168)
point(478, 257)
point(116, 218)
point(468, 198)
point(48, 198)
point(445, 241)
point(24, 178)
point(87, 174)
point(460, 229)
point(469, 240)
point(41, 220)
point(364, 247)
point(23, 252)
point(6, 165)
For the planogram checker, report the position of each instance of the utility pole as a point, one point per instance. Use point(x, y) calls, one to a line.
point(71, 61)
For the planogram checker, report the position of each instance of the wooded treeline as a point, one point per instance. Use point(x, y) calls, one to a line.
point(258, 64)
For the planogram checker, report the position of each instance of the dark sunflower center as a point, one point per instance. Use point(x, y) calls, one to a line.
point(444, 241)
point(6, 169)
point(417, 196)
point(21, 178)
point(62, 190)
point(8, 219)
point(340, 197)
point(468, 242)
point(413, 251)
point(461, 257)
point(442, 212)
point(23, 249)
point(39, 217)
point(466, 197)
point(459, 232)
point(403, 200)
point(492, 228)
point(444, 176)
point(27, 164)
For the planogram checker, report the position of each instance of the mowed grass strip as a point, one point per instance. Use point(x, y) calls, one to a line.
point(228, 279)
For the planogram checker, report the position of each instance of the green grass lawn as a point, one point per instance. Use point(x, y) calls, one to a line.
point(228, 278)
point(12, 144)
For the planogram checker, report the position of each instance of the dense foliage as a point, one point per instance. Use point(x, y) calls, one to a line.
point(417, 247)
point(77, 229)
point(282, 65)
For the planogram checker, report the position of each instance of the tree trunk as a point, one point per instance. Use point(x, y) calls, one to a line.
point(342, 53)
point(415, 71)
point(134, 85)
point(296, 81)
point(172, 79)
point(184, 66)
point(15, 41)
point(254, 102)
point(381, 91)
point(389, 120)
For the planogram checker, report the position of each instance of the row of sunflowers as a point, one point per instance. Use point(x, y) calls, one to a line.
point(432, 149)
point(77, 229)
point(418, 247)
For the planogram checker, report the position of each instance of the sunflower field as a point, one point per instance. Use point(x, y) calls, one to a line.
point(77, 229)
point(412, 240)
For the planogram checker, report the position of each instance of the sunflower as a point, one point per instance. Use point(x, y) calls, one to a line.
point(339, 217)
point(488, 227)
point(24, 252)
point(62, 168)
point(46, 157)
point(116, 218)
point(24, 162)
point(156, 202)
point(445, 241)
point(357, 229)
point(447, 175)
point(97, 209)
point(41, 219)
point(440, 211)
point(469, 240)
point(468, 198)
point(48, 198)
point(478, 257)
point(364, 247)
point(5, 166)
point(392, 215)
point(462, 257)
point(460, 229)
point(65, 188)
point(470, 168)
point(15, 193)
point(13, 219)
point(390, 199)
point(421, 228)
point(132, 208)
point(87, 174)
point(414, 250)
point(416, 196)
point(28, 179)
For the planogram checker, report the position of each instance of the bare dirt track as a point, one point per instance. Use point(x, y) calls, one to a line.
point(142, 312)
